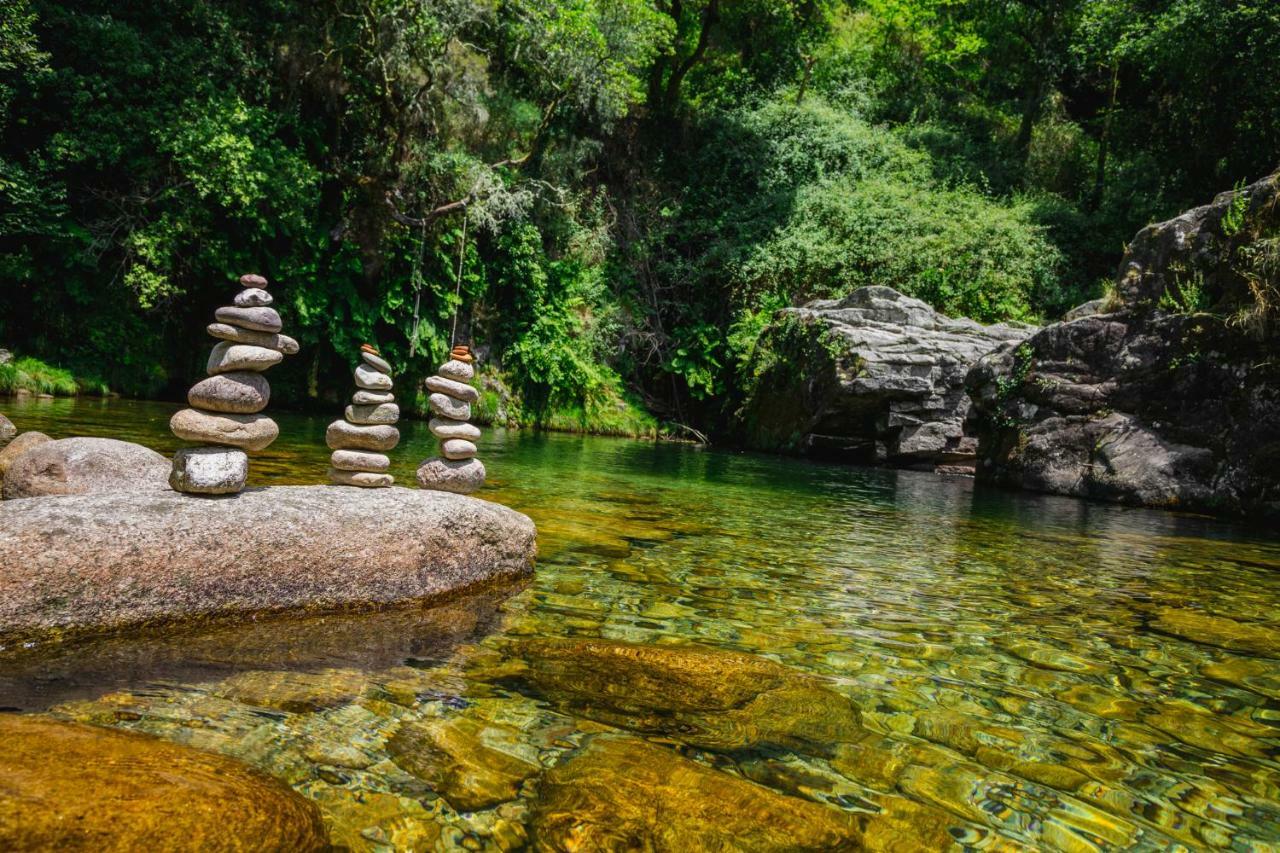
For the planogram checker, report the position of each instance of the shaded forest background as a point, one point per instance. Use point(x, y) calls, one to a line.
point(614, 195)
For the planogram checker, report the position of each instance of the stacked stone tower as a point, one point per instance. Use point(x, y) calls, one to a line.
point(369, 427)
point(225, 413)
point(456, 469)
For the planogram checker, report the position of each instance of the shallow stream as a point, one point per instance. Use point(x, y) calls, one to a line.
point(956, 664)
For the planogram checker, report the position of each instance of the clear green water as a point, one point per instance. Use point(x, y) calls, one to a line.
point(1039, 672)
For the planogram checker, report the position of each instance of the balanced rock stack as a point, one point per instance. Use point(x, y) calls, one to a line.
point(225, 408)
point(368, 429)
point(456, 469)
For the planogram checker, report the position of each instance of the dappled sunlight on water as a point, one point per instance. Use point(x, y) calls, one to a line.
point(924, 660)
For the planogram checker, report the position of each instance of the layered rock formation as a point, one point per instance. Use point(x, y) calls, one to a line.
point(1169, 393)
point(78, 466)
point(874, 377)
point(368, 427)
point(225, 408)
point(456, 469)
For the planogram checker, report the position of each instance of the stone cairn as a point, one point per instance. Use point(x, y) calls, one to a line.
point(369, 427)
point(224, 413)
point(456, 469)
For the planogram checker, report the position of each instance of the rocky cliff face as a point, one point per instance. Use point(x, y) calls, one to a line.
point(1168, 393)
point(874, 377)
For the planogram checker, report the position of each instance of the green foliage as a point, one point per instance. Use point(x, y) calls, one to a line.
point(33, 375)
point(1186, 294)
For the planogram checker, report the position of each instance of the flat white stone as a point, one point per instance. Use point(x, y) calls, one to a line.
point(372, 398)
point(226, 357)
point(247, 432)
point(235, 334)
point(457, 448)
point(344, 436)
point(364, 479)
point(385, 413)
point(445, 428)
point(456, 390)
point(447, 407)
point(355, 460)
point(255, 319)
point(458, 371)
point(372, 380)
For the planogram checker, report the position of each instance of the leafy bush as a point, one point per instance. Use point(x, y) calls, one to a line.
point(32, 374)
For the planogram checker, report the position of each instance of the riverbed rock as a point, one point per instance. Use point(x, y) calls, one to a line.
point(874, 377)
point(295, 692)
point(457, 448)
point(235, 334)
point(705, 697)
point(458, 371)
point(621, 793)
point(254, 319)
point(19, 445)
point(248, 432)
point(460, 476)
point(344, 436)
point(209, 470)
point(355, 460)
point(107, 561)
point(70, 786)
point(1170, 396)
point(372, 380)
point(383, 413)
point(366, 479)
point(226, 357)
point(7, 431)
point(239, 392)
point(447, 407)
point(453, 757)
point(457, 390)
point(253, 297)
point(78, 466)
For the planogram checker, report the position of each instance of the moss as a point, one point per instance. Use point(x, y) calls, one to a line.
point(38, 377)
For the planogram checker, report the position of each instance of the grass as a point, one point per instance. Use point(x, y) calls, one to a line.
point(37, 377)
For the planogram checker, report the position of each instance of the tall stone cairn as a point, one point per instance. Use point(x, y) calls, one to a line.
point(456, 469)
point(368, 429)
point(225, 408)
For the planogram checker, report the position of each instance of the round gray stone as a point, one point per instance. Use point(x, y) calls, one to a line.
point(457, 448)
point(248, 432)
point(372, 398)
point(256, 319)
point(355, 460)
point(445, 428)
point(209, 471)
point(461, 476)
point(226, 357)
point(344, 436)
point(236, 335)
point(253, 297)
point(447, 407)
point(240, 392)
point(364, 479)
point(376, 362)
point(457, 390)
point(385, 413)
point(458, 371)
point(372, 380)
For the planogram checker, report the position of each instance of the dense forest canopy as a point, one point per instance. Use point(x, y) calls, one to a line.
point(613, 195)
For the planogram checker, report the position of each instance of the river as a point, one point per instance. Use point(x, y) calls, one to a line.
point(1035, 671)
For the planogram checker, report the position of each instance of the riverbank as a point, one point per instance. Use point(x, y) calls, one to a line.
point(29, 375)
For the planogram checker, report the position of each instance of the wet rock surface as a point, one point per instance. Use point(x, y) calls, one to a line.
point(874, 377)
point(69, 786)
point(79, 466)
point(455, 759)
point(1167, 396)
point(96, 562)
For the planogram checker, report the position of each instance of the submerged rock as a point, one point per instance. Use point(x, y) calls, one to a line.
point(704, 697)
point(23, 443)
point(295, 692)
point(68, 786)
point(105, 561)
point(1171, 396)
point(453, 757)
point(79, 466)
point(621, 793)
point(876, 376)
point(1219, 631)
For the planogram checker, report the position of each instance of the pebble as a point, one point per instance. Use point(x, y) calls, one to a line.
point(360, 478)
point(385, 413)
point(226, 357)
point(372, 398)
point(209, 470)
point(253, 297)
point(255, 319)
point(248, 432)
point(240, 392)
point(447, 407)
point(377, 362)
point(372, 380)
point(344, 436)
point(235, 334)
point(459, 371)
point(457, 448)
point(445, 428)
point(456, 390)
point(355, 460)
point(253, 280)
point(461, 476)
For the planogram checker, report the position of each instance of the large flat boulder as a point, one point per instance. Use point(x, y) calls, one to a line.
point(76, 466)
point(874, 377)
point(92, 563)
